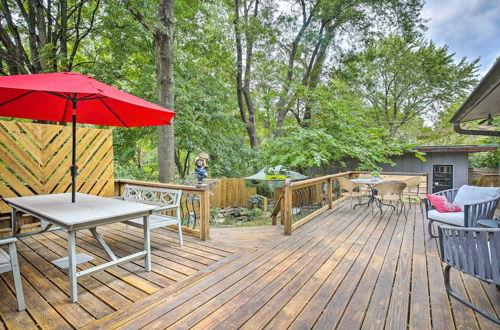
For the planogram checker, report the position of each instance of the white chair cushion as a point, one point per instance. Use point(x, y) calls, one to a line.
point(452, 218)
point(467, 195)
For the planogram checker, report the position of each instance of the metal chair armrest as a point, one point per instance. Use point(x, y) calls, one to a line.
point(477, 211)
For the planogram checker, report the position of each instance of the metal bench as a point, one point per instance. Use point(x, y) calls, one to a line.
point(474, 251)
point(165, 199)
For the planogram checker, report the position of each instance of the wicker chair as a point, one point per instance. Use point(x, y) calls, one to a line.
point(348, 189)
point(413, 189)
point(390, 191)
point(474, 251)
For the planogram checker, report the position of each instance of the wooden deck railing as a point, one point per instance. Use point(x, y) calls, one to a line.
point(316, 194)
point(195, 205)
point(320, 194)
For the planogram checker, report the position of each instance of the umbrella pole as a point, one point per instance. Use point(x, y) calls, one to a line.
point(73, 167)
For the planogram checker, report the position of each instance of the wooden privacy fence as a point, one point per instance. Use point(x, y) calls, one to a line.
point(231, 192)
point(35, 159)
point(195, 205)
point(315, 196)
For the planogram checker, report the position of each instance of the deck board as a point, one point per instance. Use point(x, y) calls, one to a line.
point(344, 269)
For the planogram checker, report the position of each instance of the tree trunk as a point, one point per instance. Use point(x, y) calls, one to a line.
point(165, 80)
point(245, 103)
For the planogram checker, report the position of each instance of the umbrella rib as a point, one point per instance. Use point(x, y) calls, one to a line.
point(59, 95)
point(114, 114)
point(16, 98)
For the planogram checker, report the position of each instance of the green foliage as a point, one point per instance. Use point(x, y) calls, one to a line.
point(252, 214)
point(366, 99)
point(408, 79)
point(340, 130)
point(490, 159)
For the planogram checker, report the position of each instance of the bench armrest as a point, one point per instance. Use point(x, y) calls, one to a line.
point(9, 240)
point(168, 207)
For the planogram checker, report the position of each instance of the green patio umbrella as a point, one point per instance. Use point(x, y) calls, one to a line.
point(275, 175)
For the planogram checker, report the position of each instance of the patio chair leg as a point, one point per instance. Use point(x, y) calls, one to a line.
point(430, 230)
point(462, 300)
point(403, 210)
point(179, 225)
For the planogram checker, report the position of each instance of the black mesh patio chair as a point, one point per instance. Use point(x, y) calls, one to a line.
point(474, 251)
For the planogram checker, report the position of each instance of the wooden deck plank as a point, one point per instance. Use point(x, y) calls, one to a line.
point(132, 243)
point(377, 244)
point(86, 300)
point(8, 310)
point(358, 304)
point(261, 257)
point(344, 269)
point(397, 316)
point(40, 310)
point(104, 293)
point(420, 317)
point(160, 266)
point(308, 317)
point(442, 316)
point(252, 284)
point(111, 277)
point(124, 315)
point(218, 315)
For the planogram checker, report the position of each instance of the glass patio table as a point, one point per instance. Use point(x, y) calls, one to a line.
point(369, 183)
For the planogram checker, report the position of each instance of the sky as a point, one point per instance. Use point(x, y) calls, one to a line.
point(471, 28)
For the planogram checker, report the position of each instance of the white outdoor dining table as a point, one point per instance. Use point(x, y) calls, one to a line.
point(88, 212)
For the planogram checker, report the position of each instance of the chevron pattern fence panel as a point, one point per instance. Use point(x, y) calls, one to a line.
point(35, 159)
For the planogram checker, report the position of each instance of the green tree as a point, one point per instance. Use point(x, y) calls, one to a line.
point(402, 80)
point(45, 36)
point(341, 130)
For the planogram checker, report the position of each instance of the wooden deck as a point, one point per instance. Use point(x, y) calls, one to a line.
point(345, 269)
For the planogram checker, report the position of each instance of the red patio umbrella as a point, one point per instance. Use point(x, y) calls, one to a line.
point(73, 97)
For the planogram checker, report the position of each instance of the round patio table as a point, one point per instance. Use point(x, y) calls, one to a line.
point(369, 183)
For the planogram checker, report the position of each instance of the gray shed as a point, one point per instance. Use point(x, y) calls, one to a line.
point(447, 166)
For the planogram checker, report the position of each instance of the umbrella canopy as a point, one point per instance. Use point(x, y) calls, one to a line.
point(73, 97)
point(52, 96)
point(276, 173)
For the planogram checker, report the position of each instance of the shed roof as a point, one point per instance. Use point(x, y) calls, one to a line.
point(457, 148)
point(484, 99)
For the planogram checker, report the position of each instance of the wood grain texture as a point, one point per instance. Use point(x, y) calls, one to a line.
point(345, 269)
point(35, 159)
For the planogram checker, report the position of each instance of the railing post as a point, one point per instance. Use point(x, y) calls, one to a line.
point(286, 209)
point(330, 192)
point(205, 214)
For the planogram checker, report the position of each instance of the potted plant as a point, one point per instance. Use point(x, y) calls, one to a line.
point(375, 175)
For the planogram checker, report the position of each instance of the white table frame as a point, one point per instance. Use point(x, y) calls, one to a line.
point(138, 211)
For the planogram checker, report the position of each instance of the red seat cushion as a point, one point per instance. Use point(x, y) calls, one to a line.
point(442, 205)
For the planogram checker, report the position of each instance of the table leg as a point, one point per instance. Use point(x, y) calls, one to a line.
point(370, 200)
point(147, 243)
point(13, 222)
point(72, 266)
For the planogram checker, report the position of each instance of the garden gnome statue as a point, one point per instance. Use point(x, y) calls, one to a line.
point(201, 167)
